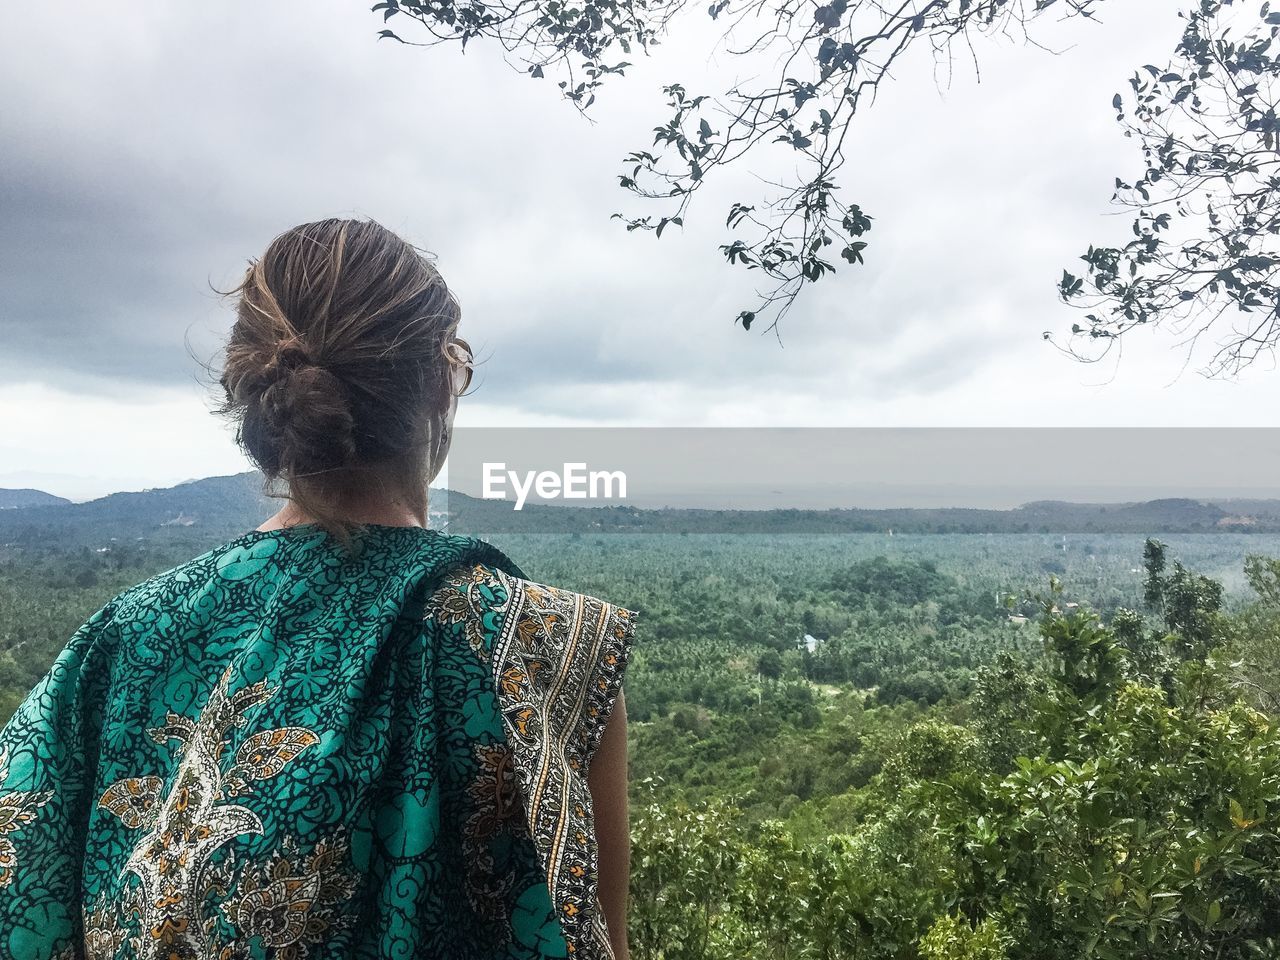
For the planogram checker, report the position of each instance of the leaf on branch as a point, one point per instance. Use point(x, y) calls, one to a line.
point(853, 58)
point(829, 15)
point(736, 214)
point(1206, 127)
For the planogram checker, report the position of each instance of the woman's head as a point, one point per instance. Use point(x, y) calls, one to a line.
point(343, 365)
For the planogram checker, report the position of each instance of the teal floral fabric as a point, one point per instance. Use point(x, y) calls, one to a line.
point(278, 749)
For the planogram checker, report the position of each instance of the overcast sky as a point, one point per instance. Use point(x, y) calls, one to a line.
point(149, 154)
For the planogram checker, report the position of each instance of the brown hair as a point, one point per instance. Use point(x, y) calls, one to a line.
point(342, 365)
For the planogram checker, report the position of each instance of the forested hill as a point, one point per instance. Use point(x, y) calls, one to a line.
point(221, 507)
point(203, 511)
point(1169, 515)
point(13, 499)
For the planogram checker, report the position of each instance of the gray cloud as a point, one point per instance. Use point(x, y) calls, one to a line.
point(148, 154)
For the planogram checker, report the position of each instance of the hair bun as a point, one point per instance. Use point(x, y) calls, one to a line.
point(290, 356)
point(305, 412)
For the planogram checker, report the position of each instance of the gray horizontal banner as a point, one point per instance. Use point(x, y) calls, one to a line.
point(831, 480)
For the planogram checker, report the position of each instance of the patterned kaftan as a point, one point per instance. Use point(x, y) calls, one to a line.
point(277, 750)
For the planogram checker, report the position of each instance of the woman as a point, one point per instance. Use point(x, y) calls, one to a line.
point(340, 734)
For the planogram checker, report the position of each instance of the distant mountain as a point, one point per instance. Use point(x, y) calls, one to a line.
point(13, 499)
point(218, 508)
point(205, 510)
point(1258, 509)
point(1174, 513)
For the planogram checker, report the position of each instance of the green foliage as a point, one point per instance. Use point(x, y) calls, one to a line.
point(1082, 811)
point(683, 871)
point(930, 749)
point(952, 938)
point(1253, 640)
point(935, 781)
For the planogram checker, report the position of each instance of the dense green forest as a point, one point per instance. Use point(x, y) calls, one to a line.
point(930, 747)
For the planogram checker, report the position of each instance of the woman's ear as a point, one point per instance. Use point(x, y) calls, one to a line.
point(462, 360)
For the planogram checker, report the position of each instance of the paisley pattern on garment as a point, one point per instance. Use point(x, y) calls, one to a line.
point(173, 862)
point(280, 750)
point(17, 809)
point(558, 659)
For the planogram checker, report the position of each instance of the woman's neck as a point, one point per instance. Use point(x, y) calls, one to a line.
point(393, 513)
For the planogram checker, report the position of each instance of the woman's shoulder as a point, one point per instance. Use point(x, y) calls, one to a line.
point(556, 657)
point(552, 648)
point(511, 603)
